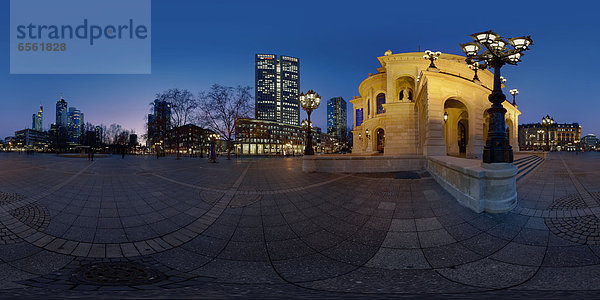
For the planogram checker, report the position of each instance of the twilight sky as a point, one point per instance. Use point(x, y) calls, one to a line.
point(198, 43)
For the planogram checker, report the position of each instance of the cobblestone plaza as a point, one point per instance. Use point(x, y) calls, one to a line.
point(147, 227)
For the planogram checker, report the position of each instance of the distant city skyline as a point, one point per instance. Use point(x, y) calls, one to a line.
point(336, 53)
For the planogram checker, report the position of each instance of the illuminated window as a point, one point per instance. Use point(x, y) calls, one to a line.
point(380, 103)
point(359, 117)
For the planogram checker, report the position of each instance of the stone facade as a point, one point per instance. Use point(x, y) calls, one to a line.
point(404, 103)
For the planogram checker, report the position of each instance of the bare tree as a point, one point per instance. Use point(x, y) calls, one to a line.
point(183, 104)
point(88, 135)
point(221, 108)
point(122, 139)
point(105, 138)
point(112, 133)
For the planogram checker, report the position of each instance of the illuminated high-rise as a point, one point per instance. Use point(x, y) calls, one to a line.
point(336, 118)
point(37, 120)
point(159, 124)
point(61, 112)
point(74, 124)
point(277, 84)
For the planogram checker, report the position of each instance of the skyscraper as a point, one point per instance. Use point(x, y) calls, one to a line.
point(99, 134)
point(61, 112)
point(277, 84)
point(74, 124)
point(336, 118)
point(159, 122)
point(37, 120)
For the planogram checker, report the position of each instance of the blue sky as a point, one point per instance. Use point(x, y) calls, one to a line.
point(198, 43)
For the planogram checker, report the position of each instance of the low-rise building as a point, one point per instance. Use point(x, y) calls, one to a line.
point(590, 143)
point(9, 142)
point(559, 137)
point(192, 140)
point(261, 137)
point(30, 139)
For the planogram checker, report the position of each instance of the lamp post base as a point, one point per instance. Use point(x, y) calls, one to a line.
point(498, 155)
point(309, 151)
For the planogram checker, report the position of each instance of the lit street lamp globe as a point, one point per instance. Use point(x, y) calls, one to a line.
point(432, 56)
point(309, 102)
point(514, 93)
point(547, 122)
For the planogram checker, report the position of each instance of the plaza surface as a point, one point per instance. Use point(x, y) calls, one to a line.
point(147, 227)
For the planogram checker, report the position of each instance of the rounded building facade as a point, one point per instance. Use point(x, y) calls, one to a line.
point(410, 109)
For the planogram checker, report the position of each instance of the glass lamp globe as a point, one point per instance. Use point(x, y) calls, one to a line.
point(470, 49)
point(486, 37)
point(521, 43)
point(514, 58)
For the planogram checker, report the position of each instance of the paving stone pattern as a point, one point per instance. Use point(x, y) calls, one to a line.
point(147, 227)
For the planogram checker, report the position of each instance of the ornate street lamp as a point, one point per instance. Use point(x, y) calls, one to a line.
point(213, 151)
point(491, 49)
point(475, 67)
point(306, 123)
point(432, 56)
point(514, 93)
point(547, 121)
point(309, 102)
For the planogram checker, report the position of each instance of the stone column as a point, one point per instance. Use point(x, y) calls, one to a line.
point(476, 142)
point(434, 124)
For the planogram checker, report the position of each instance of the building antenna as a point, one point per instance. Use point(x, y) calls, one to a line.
point(61, 96)
point(419, 47)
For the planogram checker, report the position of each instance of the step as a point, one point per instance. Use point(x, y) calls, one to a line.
point(527, 164)
point(528, 169)
point(523, 160)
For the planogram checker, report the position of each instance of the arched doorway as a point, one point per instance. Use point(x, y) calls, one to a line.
point(380, 140)
point(462, 137)
point(456, 128)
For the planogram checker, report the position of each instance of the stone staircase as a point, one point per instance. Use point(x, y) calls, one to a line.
point(526, 165)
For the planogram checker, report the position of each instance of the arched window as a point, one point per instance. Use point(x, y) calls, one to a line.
point(368, 107)
point(359, 117)
point(380, 103)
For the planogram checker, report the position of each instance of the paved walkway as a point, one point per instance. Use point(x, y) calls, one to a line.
point(260, 227)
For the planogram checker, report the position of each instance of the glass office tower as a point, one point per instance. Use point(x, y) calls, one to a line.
point(61, 112)
point(336, 118)
point(277, 85)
